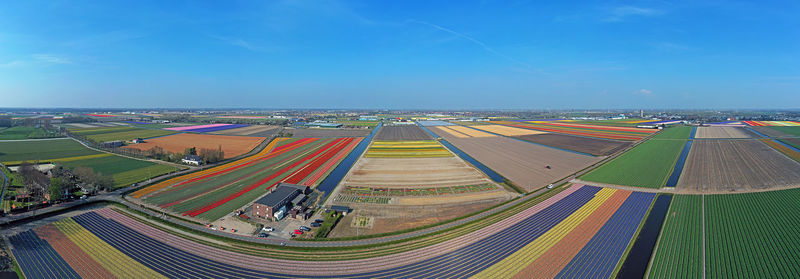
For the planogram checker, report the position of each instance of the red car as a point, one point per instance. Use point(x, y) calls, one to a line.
point(298, 232)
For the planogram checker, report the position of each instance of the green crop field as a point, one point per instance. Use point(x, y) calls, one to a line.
point(679, 253)
point(42, 150)
point(24, 132)
point(756, 231)
point(646, 165)
point(120, 133)
point(358, 123)
point(124, 171)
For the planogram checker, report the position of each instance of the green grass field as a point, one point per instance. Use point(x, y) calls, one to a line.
point(120, 133)
point(358, 123)
point(647, 165)
point(679, 253)
point(792, 130)
point(125, 171)
point(42, 150)
point(25, 132)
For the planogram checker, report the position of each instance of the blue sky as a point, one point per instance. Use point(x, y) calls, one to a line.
point(400, 54)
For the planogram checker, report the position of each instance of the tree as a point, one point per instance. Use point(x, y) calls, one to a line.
point(190, 151)
point(212, 155)
point(34, 180)
point(56, 189)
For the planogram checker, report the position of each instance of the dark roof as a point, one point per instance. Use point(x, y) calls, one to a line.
point(340, 208)
point(279, 195)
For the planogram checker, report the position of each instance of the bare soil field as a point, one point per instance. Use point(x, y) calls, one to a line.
point(327, 133)
point(770, 132)
point(723, 133)
point(525, 164)
point(253, 130)
point(465, 132)
point(407, 132)
point(395, 218)
point(459, 199)
point(413, 172)
point(232, 145)
point(599, 147)
point(736, 165)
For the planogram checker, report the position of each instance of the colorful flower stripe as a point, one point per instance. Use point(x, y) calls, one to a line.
point(772, 123)
point(602, 254)
point(185, 128)
point(213, 205)
point(218, 128)
point(38, 259)
point(315, 164)
point(587, 227)
point(514, 263)
point(111, 259)
point(83, 264)
point(603, 128)
point(210, 190)
point(170, 182)
point(578, 133)
point(100, 115)
point(312, 180)
point(558, 256)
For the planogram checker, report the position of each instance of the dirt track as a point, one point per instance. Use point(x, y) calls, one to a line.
point(408, 132)
point(232, 145)
point(598, 147)
point(736, 165)
point(521, 162)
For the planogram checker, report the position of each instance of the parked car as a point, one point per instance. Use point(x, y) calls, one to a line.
point(315, 225)
point(318, 221)
point(268, 229)
point(298, 232)
point(304, 228)
point(263, 234)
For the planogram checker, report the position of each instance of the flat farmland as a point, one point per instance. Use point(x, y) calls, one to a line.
point(679, 253)
point(507, 131)
point(327, 133)
point(647, 165)
point(25, 132)
point(413, 173)
point(464, 132)
point(768, 131)
point(232, 145)
point(253, 130)
point(41, 150)
point(123, 170)
point(402, 132)
point(792, 130)
point(122, 133)
point(407, 149)
point(599, 147)
point(723, 133)
point(595, 131)
point(522, 163)
point(212, 193)
point(736, 165)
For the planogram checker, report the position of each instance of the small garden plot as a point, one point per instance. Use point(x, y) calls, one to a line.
point(362, 222)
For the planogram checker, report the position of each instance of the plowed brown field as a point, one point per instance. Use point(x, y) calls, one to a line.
point(521, 162)
point(232, 145)
point(406, 132)
point(723, 133)
point(736, 165)
point(413, 172)
point(592, 146)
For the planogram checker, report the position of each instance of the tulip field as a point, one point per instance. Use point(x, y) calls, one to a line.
point(586, 130)
point(581, 231)
point(214, 192)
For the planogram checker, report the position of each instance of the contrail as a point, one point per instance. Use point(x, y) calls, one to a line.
point(471, 39)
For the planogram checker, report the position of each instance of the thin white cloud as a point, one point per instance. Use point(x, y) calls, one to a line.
point(238, 42)
point(643, 91)
point(475, 41)
point(621, 13)
point(51, 59)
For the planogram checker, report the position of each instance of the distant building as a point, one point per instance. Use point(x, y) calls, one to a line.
point(192, 160)
point(276, 204)
point(137, 140)
point(322, 124)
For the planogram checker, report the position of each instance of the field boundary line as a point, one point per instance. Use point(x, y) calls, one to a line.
point(704, 235)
